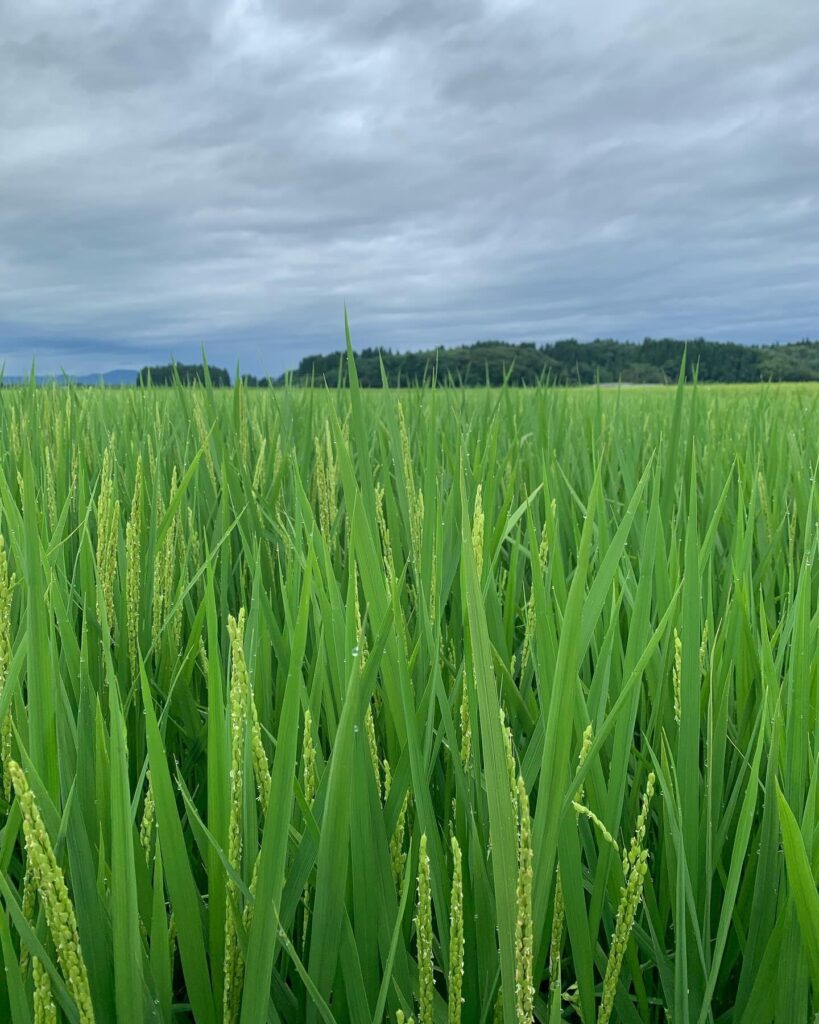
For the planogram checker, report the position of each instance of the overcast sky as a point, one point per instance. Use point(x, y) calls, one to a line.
point(174, 173)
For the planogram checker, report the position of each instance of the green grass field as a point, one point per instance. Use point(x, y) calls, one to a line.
point(456, 705)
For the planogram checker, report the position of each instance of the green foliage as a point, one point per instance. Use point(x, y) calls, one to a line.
point(569, 362)
point(357, 706)
point(169, 374)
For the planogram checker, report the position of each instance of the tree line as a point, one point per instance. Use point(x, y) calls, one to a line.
point(168, 375)
point(652, 361)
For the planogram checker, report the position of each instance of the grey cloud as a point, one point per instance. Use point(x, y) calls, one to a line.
point(231, 174)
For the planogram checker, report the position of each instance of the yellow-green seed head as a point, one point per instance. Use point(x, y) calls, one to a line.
point(309, 777)
point(233, 962)
point(585, 747)
point(258, 472)
point(587, 812)
point(51, 490)
point(466, 728)
point(423, 932)
point(511, 768)
point(369, 727)
point(558, 916)
point(477, 530)
point(45, 1012)
point(704, 648)
point(456, 939)
point(107, 536)
point(384, 534)
point(28, 901)
point(54, 899)
point(204, 440)
point(310, 785)
point(133, 567)
point(524, 927)
point(398, 856)
point(261, 766)
point(635, 868)
point(677, 676)
point(146, 827)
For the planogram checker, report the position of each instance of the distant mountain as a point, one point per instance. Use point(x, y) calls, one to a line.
point(160, 376)
point(111, 379)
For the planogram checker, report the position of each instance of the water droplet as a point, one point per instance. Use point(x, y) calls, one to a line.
point(355, 651)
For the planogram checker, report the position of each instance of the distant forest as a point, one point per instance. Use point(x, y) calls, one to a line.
point(654, 361)
point(166, 376)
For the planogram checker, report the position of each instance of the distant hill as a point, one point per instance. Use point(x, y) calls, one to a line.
point(159, 376)
point(653, 361)
point(112, 378)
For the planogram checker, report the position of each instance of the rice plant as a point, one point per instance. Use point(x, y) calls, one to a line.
point(436, 705)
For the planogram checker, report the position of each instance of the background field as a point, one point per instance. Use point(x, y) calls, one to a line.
point(624, 579)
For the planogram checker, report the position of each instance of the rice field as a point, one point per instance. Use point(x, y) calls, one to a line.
point(363, 706)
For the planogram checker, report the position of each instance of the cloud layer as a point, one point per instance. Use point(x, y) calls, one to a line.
point(232, 174)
